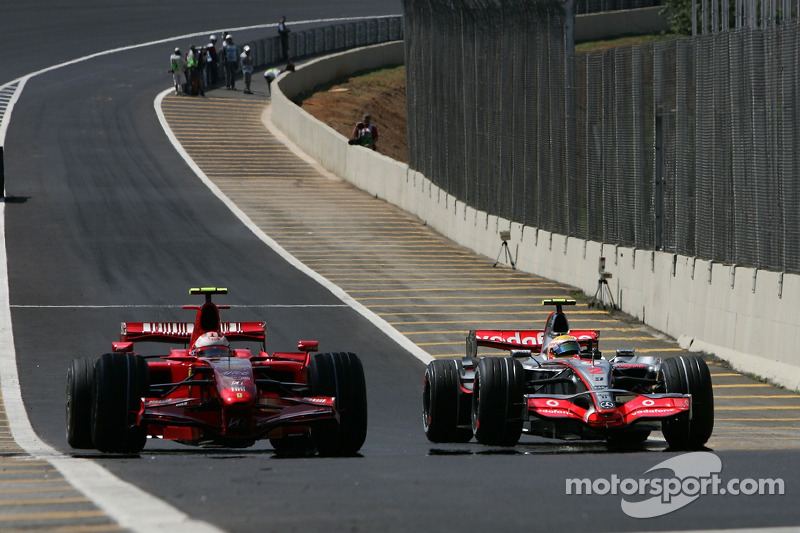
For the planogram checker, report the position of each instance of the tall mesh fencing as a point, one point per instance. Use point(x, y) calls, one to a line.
point(686, 145)
point(312, 42)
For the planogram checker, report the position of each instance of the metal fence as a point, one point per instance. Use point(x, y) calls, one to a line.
point(686, 146)
point(327, 40)
point(710, 16)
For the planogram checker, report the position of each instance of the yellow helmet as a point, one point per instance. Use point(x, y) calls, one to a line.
point(563, 346)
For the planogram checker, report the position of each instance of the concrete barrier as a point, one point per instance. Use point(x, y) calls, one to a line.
point(748, 317)
point(593, 26)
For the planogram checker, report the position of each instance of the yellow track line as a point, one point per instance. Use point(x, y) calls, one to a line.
point(757, 419)
point(756, 396)
point(51, 516)
point(44, 501)
point(743, 386)
point(65, 488)
point(758, 408)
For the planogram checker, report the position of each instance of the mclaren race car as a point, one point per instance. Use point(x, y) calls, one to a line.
point(209, 392)
point(557, 384)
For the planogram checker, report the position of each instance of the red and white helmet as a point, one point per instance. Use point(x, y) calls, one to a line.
point(211, 344)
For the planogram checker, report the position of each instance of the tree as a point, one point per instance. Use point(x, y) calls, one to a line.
point(679, 16)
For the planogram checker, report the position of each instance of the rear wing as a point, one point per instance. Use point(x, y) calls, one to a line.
point(523, 339)
point(182, 331)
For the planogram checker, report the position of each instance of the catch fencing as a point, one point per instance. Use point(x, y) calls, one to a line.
point(315, 42)
point(687, 145)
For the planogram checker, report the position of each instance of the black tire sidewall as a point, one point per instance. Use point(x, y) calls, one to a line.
point(689, 375)
point(498, 400)
point(442, 409)
point(120, 381)
point(80, 378)
point(340, 375)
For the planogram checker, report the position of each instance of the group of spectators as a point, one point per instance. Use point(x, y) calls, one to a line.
point(204, 66)
point(200, 66)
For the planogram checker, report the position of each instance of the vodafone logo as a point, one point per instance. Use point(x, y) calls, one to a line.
point(521, 338)
point(552, 403)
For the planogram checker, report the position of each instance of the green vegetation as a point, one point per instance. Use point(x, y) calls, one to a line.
point(679, 15)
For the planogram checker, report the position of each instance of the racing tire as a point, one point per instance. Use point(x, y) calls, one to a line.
point(445, 412)
point(689, 375)
point(340, 375)
point(498, 401)
point(121, 380)
point(80, 377)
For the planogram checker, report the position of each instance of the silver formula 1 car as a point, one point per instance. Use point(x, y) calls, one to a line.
point(557, 384)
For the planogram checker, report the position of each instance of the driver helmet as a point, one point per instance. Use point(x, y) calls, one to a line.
point(212, 344)
point(563, 346)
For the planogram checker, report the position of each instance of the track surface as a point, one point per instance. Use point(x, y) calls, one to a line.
point(106, 223)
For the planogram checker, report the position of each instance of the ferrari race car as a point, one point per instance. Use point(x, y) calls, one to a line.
point(557, 384)
point(208, 393)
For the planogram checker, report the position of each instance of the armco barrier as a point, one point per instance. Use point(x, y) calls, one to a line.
point(749, 317)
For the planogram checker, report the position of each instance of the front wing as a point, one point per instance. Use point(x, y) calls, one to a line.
point(174, 418)
point(649, 407)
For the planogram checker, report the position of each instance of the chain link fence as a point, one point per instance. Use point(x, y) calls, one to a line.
point(686, 145)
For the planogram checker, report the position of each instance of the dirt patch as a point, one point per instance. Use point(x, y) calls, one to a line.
point(381, 93)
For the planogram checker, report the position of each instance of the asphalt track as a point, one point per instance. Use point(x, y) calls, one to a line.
point(106, 222)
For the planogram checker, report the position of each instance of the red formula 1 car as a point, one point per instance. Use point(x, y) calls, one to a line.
point(557, 384)
point(208, 393)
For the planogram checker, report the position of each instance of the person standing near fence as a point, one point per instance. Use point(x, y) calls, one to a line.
point(231, 62)
point(194, 62)
point(212, 64)
point(177, 64)
point(283, 31)
point(247, 68)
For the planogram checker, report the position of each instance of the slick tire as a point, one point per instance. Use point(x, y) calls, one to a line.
point(120, 382)
point(80, 378)
point(445, 411)
point(689, 375)
point(498, 401)
point(340, 375)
